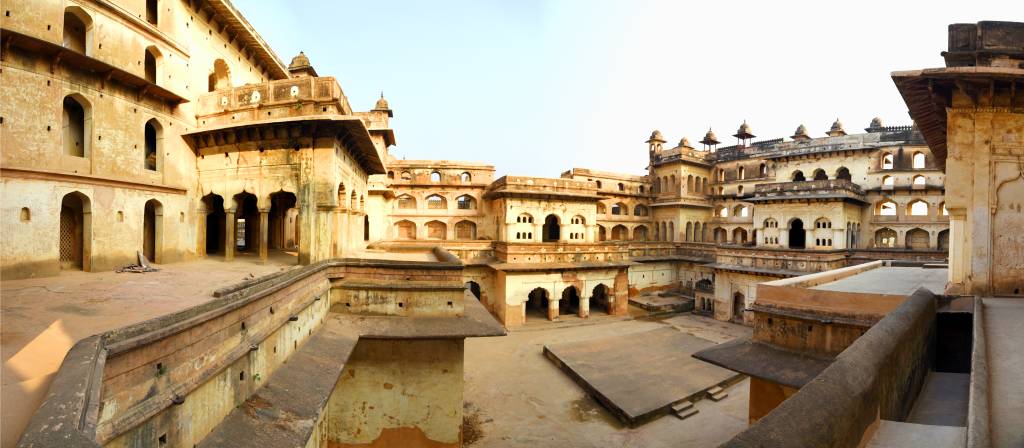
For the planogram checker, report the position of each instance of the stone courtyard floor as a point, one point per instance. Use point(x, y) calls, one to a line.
point(516, 397)
point(43, 317)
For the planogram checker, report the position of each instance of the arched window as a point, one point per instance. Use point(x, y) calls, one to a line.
point(741, 210)
point(887, 181)
point(689, 184)
point(406, 176)
point(742, 173)
point(391, 175)
point(919, 181)
point(525, 218)
point(77, 30)
point(723, 212)
point(76, 126)
point(154, 138)
point(435, 177)
point(763, 170)
point(578, 220)
point(466, 178)
point(436, 202)
point(621, 187)
point(220, 77)
point(822, 223)
point(640, 210)
point(739, 190)
point(405, 230)
point(918, 208)
point(437, 230)
point(406, 202)
point(598, 184)
point(942, 209)
point(152, 11)
point(466, 202)
point(620, 209)
point(721, 175)
point(770, 223)
point(153, 58)
point(798, 176)
point(819, 174)
point(887, 162)
point(919, 160)
point(885, 238)
point(843, 173)
point(886, 208)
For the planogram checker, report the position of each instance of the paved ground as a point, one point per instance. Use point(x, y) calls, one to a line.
point(942, 400)
point(641, 383)
point(903, 435)
point(42, 318)
point(1004, 336)
point(891, 280)
point(523, 400)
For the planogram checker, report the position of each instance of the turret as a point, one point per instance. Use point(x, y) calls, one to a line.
point(837, 129)
point(744, 134)
point(300, 67)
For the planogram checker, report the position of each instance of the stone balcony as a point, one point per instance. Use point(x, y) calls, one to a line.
point(814, 189)
point(285, 98)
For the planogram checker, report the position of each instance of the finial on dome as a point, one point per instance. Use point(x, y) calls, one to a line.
point(382, 105)
point(837, 129)
point(800, 134)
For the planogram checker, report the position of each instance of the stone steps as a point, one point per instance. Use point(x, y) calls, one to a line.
point(717, 394)
point(684, 410)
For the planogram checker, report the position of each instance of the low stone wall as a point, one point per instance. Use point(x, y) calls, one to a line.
point(175, 377)
point(978, 433)
point(877, 377)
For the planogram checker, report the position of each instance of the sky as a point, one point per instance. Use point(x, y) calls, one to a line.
point(538, 87)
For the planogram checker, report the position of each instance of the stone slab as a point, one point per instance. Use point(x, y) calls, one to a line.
point(640, 376)
point(892, 434)
point(894, 280)
point(654, 303)
point(942, 400)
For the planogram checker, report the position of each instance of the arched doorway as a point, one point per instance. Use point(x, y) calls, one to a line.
point(537, 304)
point(917, 239)
point(247, 221)
point(570, 301)
point(738, 305)
point(215, 218)
point(75, 232)
point(152, 231)
point(551, 232)
point(797, 235)
point(600, 300)
point(474, 288)
point(280, 226)
point(944, 240)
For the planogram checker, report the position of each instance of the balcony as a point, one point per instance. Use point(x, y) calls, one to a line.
point(285, 98)
point(814, 189)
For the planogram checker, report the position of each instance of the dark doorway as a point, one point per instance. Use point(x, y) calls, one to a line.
point(737, 307)
point(247, 222)
point(474, 288)
point(366, 229)
point(72, 232)
point(600, 301)
point(214, 223)
point(551, 232)
point(537, 304)
point(570, 301)
point(797, 235)
point(151, 230)
point(280, 234)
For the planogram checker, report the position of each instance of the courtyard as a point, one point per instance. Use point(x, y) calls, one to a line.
point(516, 397)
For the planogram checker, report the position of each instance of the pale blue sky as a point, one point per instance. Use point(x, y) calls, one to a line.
point(538, 87)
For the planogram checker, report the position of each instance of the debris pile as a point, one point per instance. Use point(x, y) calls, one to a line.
point(140, 268)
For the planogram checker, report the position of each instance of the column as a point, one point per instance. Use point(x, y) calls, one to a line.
point(201, 231)
point(584, 305)
point(229, 235)
point(809, 238)
point(264, 244)
point(784, 236)
point(552, 308)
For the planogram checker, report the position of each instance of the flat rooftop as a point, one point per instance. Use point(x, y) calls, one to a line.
point(891, 280)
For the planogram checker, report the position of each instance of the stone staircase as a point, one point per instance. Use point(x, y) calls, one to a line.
point(684, 409)
point(717, 394)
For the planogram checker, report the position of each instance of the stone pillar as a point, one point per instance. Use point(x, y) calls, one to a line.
point(809, 238)
point(264, 234)
point(229, 235)
point(201, 231)
point(957, 260)
point(784, 236)
point(584, 306)
point(552, 308)
point(839, 238)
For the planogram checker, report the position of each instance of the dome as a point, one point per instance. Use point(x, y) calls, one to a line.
point(685, 143)
point(656, 137)
point(744, 131)
point(710, 138)
point(837, 129)
point(801, 133)
point(300, 66)
point(382, 104)
point(876, 122)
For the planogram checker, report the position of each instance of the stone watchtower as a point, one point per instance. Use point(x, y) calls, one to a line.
point(971, 113)
point(654, 146)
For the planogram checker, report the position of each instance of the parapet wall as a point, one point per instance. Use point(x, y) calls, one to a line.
point(172, 379)
point(877, 377)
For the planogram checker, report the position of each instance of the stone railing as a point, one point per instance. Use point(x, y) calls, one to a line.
point(809, 188)
point(876, 377)
point(285, 92)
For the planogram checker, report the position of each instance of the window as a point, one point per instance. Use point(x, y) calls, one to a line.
point(887, 208)
point(742, 211)
point(152, 61)
point(798, 176)
point(220, 77)
point(578, 220)
point(601, 208)
point(525, 218)
point(620, 209)
point(406, 176)
point(843, 173)
point(887, 181)
point(640, 210)
point(770, 223)
point(763, 170)
point(739, 190)
point(436, 202)
point(391, 175)
point(887, 162)
point(77, 30)
point(919, 160)
point(819, 174)
point(919, 181)
point(822, 223)
point(723, 212)
point(152, 144)
point(435, 177)
point(622, 187)
point(742, 173)
point(942, 209)
point(466, 178)
point(406, 202)
point(918, 208)
point(466, 202)
point(152, 11)
point(75, 122)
